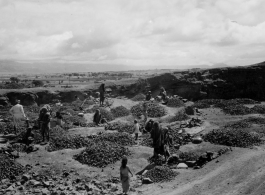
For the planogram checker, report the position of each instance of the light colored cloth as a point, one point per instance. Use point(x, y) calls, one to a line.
point(17, 111)
point(125, 179)
point(18, 114)
point(136, 128)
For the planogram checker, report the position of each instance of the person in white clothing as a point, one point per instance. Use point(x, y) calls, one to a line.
point(18, 114)
point(136, 129)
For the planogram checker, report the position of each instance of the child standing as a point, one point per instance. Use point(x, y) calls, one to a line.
point(136, 129)
point(124, 175)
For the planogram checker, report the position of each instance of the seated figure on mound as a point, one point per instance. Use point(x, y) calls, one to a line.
point(97, 119)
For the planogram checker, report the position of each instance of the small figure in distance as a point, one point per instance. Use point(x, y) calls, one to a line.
point(167, 141)
point(163, 93)
point(45, 130)
point(76, 98)
point(124, 175)
point(148, 96)
point(136, 129)
point(102, 94)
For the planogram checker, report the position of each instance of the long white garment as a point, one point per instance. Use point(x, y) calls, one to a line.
point(17, 111)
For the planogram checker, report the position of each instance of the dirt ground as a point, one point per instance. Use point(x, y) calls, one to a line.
point(239, 171)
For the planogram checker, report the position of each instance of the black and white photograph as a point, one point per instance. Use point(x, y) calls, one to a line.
point(132, 97)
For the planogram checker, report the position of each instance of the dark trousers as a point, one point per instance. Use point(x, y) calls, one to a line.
point(45, 131)
point(136, 136)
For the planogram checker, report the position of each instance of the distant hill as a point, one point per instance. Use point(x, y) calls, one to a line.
point(12, 67)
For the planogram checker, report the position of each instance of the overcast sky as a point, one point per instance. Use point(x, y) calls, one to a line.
point(134, 32)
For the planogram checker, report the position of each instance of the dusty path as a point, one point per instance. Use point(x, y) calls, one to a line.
point(238, 172)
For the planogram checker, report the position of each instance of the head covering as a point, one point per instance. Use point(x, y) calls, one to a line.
point(124, 161)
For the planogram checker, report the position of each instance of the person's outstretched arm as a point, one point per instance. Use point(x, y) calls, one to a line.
point(130, 171)
point(11, 111)
point(22, 111)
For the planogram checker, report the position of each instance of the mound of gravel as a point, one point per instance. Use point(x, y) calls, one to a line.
point(101, 154)
point(139, 97)
point(161, 174)
point(153, 110)
point(237, 110)
point(246, 123)
point(120, 111)
point(8, 128)
point(175, 102)
point(68, 142)
point(233, 137)
point(120, 127)
point(75, 120)
point(123, 139)
point(260, 109)
point(9, 168)
point(189, 156)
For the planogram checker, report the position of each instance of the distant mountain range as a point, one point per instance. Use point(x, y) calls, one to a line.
point(11, 67)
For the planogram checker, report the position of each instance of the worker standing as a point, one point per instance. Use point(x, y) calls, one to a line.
point(163, 93)
point(124, 175)
point(44, 119)
point(136, 129)
point(45, 127)
point(156, 135)
point(145, 111)
point(18, 114)
point(102, 94)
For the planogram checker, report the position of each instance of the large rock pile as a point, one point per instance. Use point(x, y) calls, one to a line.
point(233, 137)
point(101, 154)
point(153, 110)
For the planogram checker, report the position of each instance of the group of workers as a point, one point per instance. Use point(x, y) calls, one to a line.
point(160, 136)
point(162, 95)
